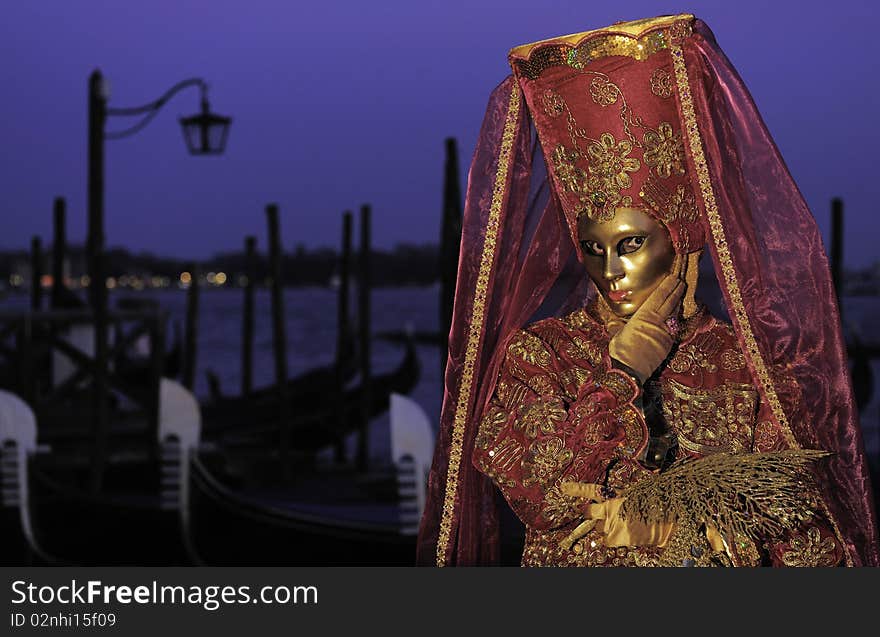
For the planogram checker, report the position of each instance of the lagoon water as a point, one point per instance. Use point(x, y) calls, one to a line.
point(311, 337)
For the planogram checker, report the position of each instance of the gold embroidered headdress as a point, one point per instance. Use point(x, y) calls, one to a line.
point(604, 108)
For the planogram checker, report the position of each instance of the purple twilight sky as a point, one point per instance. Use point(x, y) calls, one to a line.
point(337, 103)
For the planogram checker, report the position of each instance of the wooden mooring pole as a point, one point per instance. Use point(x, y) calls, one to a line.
point(450, 243)
point(343, 328)
point(59, 248)
point(36, 273)
point(101, 395)
point(192, 327)
point(364, 284)
point(247, 323)
point(97, 117)
point(279, 338)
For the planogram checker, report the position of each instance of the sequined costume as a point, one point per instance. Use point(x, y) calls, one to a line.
point(646, 115)
point(561, 412)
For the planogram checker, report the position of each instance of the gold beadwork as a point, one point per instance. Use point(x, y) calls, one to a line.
point(593, 49)
point(475, 330)
point(661, 84)
point(707, 421)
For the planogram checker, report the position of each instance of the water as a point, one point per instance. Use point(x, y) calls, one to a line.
point(311, 332)
point(311, 340)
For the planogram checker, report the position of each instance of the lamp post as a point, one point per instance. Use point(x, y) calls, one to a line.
point(205, 134)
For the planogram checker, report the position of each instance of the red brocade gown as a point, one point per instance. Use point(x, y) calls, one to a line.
point(561, 412)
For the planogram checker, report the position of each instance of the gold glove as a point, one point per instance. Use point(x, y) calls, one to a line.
point(604, 516)
point(645, 341)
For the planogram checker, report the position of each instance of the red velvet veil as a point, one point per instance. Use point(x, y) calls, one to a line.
point(518, 264)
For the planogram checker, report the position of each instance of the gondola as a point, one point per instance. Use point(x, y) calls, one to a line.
point(297, 525)
point(318, 418)
point(129, 519)
point(324, 518)
point(73, 526)
point(314, 381)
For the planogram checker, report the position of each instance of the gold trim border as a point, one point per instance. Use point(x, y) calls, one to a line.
point(718, 236)
point(633, 29)
point(478, 315)
point(720, 239)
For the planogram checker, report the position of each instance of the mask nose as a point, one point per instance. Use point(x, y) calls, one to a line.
point(613, 268)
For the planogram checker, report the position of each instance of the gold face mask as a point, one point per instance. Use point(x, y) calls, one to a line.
point(626, 257)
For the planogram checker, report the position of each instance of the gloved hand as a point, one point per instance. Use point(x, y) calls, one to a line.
point(645, 340)
point(604, 516)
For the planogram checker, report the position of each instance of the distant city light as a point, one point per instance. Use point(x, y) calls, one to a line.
point(111, 282)
point(16, 280)
point(46, 281)
point(85, 280)
point(220, 279)
point(211, 277)
point(185, 278)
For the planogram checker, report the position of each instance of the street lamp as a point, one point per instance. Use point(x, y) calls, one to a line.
point(205, 134)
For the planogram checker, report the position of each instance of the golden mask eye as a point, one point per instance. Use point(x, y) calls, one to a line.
point(592, 248)
point(630, 244)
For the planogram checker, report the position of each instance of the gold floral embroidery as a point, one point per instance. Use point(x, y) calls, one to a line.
point(530, 349)
point(680, 29)
point(661, 83)
point(511, 394)
point(572, 379)
point(572, 178)
point(593, 429)
point(609, 164)
point(732, 360)
point(811, 550)
point(696, 355)
point(558, 507)
point(501, 460)
point(554, 106)
point(603, 91)
point(619, 384)
point(542, 549)
point(664, 151)
point(580, 320)
point(541, 384)
point(682, 205)
point(767, 437)
point(583, 349)
point(708, 421)
point(490, 426)
point(545, 460)
point(630, 418)
point(624, 473)
point(541, 416)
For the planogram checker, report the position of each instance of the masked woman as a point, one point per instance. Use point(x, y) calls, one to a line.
point(622, 421)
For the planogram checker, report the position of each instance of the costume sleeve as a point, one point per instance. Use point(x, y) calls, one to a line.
point(549, 423)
